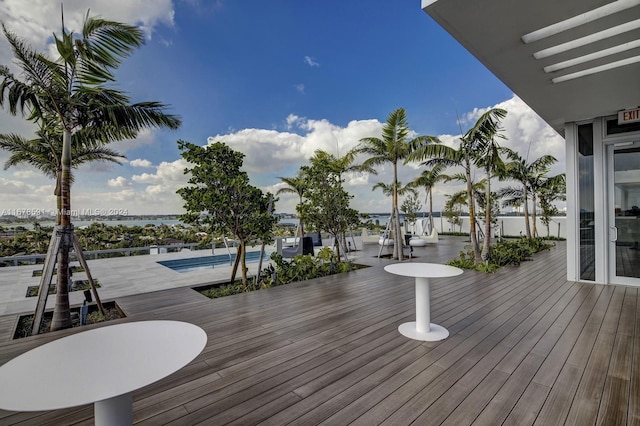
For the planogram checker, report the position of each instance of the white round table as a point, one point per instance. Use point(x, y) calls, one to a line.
point(423, 328)
point(101, 366)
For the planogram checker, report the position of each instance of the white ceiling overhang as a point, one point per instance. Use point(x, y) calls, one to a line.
point(569, 60)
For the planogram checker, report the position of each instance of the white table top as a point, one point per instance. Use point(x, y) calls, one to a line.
point(423, 270)
point(98, 364)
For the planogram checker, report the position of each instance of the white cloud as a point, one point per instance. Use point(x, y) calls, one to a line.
point(17, 195)
point(119, 182)
point(139, 162)
point(26, 174)
point(311, 61)
point(299, 88)
point(272, 153)
point(36, 20)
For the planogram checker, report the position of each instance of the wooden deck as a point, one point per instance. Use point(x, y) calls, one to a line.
point(526, 347)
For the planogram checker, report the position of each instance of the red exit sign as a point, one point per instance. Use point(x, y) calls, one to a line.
point(629, 116)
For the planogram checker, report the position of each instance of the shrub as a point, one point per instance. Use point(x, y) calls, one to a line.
point(502, 253)
point(282, 272)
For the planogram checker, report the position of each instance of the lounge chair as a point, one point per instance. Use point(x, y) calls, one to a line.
point(369, 239)
point(303, 248)
point(423, 240)
point(317, 239)
point(385, 241)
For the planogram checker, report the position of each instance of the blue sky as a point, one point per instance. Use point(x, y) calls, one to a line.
point(276, 80)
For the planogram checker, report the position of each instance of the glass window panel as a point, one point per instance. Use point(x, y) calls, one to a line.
point(586, 202)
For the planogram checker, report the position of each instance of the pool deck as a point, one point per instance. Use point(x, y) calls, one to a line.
point(118, 276)
point(527, 347)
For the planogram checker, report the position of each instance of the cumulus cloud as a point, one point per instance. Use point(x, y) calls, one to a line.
point(311, 61)
point(36, 20)
point(26, 174)
point(119, 182)
point(139, 162)
point(17, 195)
point(271, 153)
point(272, 150)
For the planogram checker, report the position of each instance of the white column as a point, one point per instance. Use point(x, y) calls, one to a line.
point(423, 305)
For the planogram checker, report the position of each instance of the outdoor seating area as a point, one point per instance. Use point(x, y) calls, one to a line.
point(524, 346)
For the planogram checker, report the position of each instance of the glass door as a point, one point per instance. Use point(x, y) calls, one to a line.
point(624, 213)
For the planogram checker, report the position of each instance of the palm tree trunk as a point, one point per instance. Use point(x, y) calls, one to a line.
point(527, 226)
point(431, 211)
point(399, 240)
point(534, 231)
point(397, 243)
point(61, 312)
point(300, 220)
point(487, 221)
point(472, 216)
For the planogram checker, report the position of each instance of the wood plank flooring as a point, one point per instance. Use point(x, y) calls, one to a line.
point(526, 347)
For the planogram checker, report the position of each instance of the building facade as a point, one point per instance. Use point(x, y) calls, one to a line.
point(577, 64)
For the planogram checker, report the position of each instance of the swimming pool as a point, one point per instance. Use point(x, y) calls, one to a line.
point(208, 262)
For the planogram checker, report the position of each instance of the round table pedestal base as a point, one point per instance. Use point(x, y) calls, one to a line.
point(435, 333)
point(114, 411)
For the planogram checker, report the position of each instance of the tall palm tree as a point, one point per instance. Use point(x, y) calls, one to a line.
point(394, 146)
point(486, 155)
point(76, 90)
point(427, 180)
point(295, 185)
point(530, 176)
point(438, 154)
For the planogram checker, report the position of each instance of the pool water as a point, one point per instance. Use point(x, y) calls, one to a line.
point(208, 262)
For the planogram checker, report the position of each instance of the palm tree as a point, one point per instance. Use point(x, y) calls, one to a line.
point(388, 189)
point(74, 90)
point(438, 154)
point(427, 180)
point(553, 189)
point(44, 153)
point(392, 147)
point(486, 155)
point(459, 199)
point(295, 185)
point(531, 176)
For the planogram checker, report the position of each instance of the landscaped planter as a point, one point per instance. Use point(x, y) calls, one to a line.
point(25, 322)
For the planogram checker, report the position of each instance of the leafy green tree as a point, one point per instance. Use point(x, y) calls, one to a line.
point(410, 207)
point(219, 194)
point(327, 203)
point(75, 91)
point(453, 208)
point(553, 189)
point(394, 146)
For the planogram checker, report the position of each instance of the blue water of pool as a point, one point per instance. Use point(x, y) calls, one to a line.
point(208, 262)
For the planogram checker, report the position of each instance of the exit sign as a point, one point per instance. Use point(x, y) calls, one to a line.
point(629, 116)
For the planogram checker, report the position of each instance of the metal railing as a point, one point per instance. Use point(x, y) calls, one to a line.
point(95, 254)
